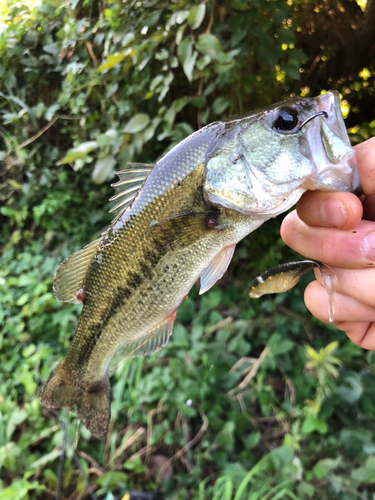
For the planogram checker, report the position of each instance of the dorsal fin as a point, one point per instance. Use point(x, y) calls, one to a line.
point(70, 275)
point(127, 188)
point(216, 268)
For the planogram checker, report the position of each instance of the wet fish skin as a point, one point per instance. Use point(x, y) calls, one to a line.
point(191, 209)
point(155, 280)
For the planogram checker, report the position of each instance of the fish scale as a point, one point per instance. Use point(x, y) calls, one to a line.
point(152, 297)
point(179, 221)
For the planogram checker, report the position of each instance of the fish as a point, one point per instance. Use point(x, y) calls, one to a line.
point(283, 277)
point(178, 221)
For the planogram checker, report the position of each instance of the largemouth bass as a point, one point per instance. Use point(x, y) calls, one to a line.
point(180, 220)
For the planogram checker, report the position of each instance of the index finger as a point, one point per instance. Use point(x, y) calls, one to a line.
point(349, 249)
point(365, 156)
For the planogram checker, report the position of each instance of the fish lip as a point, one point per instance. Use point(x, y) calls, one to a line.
point(349, 180)
point(330, 103)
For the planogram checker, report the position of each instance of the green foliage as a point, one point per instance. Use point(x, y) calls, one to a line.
point(250, 399)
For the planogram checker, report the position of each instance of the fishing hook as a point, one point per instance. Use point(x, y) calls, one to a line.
point(319, 113)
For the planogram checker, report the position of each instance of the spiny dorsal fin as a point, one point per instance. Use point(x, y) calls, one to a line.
point(70, 275)
point(151, 341)
point(216, 268)
point(128, 186)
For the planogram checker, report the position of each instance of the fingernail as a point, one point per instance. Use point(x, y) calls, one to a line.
point(333, 213)
point(368, 247)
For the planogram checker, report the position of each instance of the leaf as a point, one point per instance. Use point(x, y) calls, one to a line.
point(198, 101)
point(286, 36)
point(17, 417)
point(45, 459)
point(188, 66)
point(313, 423)
point(112, 479)
point(366, 473)
point(291, 68)
point(103, 169)
point(196, 16)
point(185, 49)
point(52, 48)
point(19, 489)
point(80, 151)
point(137, 123)
point(51, 110)
point(181, 16)
point(22, 300)
point(112, 61)
point(220, 105)
point(282, 455)
point(351, 389)
point(305, 490)
point(320, 471)
point(278, 345)
point(225, 437)
point(208, 44)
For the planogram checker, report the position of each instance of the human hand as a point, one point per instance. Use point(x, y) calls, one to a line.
point(339, 229)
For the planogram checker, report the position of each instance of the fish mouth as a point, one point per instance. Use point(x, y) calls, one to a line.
point(334, 158)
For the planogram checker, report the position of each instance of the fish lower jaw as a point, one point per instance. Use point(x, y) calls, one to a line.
point(270, 206)
point(284, 204)
point(342, 177)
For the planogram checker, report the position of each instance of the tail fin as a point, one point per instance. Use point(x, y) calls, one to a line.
point(93, 405)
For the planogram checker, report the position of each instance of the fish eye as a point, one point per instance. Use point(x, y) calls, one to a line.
point(286, 119)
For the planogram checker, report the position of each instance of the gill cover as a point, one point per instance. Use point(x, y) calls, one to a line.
point(267, 160)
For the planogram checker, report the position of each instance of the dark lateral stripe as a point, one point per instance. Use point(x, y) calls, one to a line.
point(138, 274)
point(134, 280)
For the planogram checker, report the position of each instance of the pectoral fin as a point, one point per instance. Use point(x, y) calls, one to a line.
point(216, 268)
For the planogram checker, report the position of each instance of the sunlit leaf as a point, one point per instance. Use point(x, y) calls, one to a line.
point(103, 169)
point(79, 152)
point(196, 15)
point(208, 44)
point(112, 61)
point(137, 123)
point(188, 65)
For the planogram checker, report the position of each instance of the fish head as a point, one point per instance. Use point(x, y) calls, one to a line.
point(264, 162)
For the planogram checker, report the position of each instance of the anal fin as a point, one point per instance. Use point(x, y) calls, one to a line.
point(217, 267)
point(70, 275)
point(151, 341)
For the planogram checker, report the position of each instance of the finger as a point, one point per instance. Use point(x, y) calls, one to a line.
point(365, 156)
point(350, 249)
point(322, 208)
point(362, 334)
point(355, 283)
point(346, 308)
point(369, 208)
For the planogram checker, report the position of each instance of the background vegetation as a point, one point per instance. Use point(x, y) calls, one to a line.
point(250, 399)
